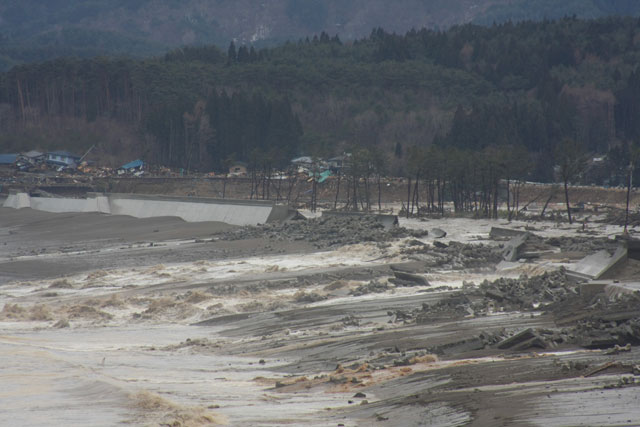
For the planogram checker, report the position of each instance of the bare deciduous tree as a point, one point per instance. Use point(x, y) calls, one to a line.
point(571, 161)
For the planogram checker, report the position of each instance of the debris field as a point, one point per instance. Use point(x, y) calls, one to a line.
point(337, 320)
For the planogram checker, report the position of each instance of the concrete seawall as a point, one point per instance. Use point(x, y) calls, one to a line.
point(190, 209)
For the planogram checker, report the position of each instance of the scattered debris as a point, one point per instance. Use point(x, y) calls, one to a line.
point(307, 298)
point(373, 287)
point(618, 349)
point(454, 256)
point(324, 232)
point(618, 217)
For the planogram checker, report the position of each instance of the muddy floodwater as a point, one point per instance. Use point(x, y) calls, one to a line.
point(108, 320)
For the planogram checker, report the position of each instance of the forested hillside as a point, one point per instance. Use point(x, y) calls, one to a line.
point(538, 10)
point(38, 30)
point(516, 87)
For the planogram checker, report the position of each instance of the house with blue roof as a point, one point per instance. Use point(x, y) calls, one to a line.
point(136, 164)
point(135, 167)
point(7, 159)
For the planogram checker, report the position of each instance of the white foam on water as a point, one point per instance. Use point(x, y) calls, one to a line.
point(63, 370)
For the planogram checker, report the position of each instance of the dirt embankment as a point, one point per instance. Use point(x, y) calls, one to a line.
point(616, 197)
point(298, 190)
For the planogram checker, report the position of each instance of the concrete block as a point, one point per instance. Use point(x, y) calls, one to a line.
point(17, 200)
point(590, 289)
point(596, 266)
point(514, 247)
point(494, 294)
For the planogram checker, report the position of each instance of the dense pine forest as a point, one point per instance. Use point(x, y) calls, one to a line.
point(520, 89)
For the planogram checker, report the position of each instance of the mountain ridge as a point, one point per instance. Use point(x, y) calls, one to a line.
point(36, 30)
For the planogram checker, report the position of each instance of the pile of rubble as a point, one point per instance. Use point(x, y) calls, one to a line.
point(325, 232)
point(504, 294)
point(579, 244)
point(528, 293)
point(453, 256)
point(373, 287)
point(599, 333)
point(615, 336)
point(600, 323)
point(520, 245)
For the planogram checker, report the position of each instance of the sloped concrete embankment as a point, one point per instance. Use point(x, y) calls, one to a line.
point(190, 209)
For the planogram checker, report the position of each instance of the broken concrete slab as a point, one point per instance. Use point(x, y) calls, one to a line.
point(438, 233)
point(494, 294)
point(602, 341)
point(596, 266)
point(536, 342)
point(610, 315)
point(517, 339)
point(513, 247)
point(498, 233)
point(412, 278)
point(409, 267)
point(463, 346)
point(614, 288)
point(590, 289)
point(601, 368)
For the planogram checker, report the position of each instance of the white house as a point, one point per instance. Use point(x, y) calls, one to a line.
point(62, 158)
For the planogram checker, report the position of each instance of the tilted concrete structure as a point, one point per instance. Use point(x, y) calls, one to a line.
point(190, 209)
point(597, 266)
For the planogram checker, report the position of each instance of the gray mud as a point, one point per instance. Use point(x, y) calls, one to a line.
point(220, 323)
point(39, 244)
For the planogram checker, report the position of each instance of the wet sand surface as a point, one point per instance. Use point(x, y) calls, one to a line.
point(109, 320)
point(37, 244)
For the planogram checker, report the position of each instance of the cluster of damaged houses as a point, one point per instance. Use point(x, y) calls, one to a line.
point(57, 160)
point(64, 160)
point(36, 160)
